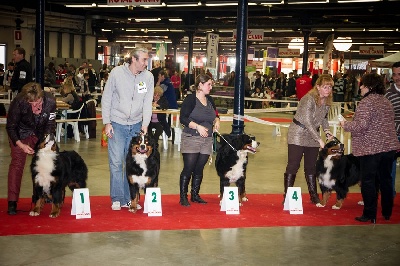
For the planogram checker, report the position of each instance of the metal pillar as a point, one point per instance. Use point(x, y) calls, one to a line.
point(306, 33)
point(39, 42)
point(190, 78)
point(241, 51)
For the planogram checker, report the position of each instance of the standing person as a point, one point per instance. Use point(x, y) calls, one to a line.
point(8, 76)
point(50, 77)
point(198, 116)
point(126, 108)
point(176, 82)
point(22, 71)
point(291, 86)
point(303, 134)
point(393, 95)
point(338, 89)
point(280, 88)
point(247, 89)
point(303, 85)
point(159, 121)
point(374, 142)
point(169, 91)
point(30, 117)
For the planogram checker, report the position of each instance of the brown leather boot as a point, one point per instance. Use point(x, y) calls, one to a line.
point(312, 188)
point(288, 181)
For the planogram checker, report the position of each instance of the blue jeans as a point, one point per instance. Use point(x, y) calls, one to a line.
point(118, 147)
point(394, 173)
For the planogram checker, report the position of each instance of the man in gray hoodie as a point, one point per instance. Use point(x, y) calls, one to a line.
point(126, 109)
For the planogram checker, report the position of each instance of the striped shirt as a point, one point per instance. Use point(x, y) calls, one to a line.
point(393, 95)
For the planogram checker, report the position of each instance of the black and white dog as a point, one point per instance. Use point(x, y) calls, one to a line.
point(336, 172)
point(231, 161)
point(52, 171)
point(142, 167)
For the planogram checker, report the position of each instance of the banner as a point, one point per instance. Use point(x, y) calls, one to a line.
point(328, 54)
point(372, 50)
point(252, 35)
point(134, 2)
point(212, 50)
point(161, 50)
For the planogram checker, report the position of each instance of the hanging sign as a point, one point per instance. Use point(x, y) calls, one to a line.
point(212, 50)
point(252, 35)
point(372, 50)
point(287, 52)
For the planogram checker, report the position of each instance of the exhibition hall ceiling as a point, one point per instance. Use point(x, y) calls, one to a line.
point(370, 22)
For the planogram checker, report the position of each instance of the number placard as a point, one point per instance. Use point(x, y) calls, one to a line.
point(230, 201)
point(152, 202)
point(293, 201)
point(81, 203)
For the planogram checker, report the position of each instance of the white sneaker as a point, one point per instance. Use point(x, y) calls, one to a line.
point(116, 206)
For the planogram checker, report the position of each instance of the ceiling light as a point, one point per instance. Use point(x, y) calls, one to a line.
point(297, 43)
point(175, 19)
point(94, 5)
point(78, 6)
point(105, 30)
point(342, 43)
point(147, 19)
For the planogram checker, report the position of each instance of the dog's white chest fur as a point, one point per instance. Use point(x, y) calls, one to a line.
point(325, 179)
point(141, 180)
point(237, 170)
point(44, 167)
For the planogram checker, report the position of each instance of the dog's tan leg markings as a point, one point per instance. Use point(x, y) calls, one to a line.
point(38, 207)
point(130, 178)
point(338, 204)
point(325, 198)
point(55, 210)
point(244, 197)
point(134, 202)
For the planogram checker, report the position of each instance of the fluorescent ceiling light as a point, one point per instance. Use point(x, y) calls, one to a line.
point(131, 30)
point(355, 1)
point(78, 6)
point(102, 41)
point(147, 19)
point(107, 6)
point(105, 30)
point(380, 30)
point(181, 5)
point(392, 51)
point(157, 29)
point(227, 4)
point(175, 19)
point(307, 2)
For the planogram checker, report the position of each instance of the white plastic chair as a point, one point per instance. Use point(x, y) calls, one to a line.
point(75, 124)
point(86, 127)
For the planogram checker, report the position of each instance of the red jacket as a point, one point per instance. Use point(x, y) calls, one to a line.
point(303, 85)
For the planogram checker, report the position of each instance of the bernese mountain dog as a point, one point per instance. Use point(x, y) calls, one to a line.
point(231, 161)
point(52, 171)
point(336, 172)
point(142, 166)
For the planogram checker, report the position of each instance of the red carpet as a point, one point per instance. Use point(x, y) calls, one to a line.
point(259, 211)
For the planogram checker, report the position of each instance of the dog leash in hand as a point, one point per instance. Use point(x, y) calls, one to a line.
point(216, 131)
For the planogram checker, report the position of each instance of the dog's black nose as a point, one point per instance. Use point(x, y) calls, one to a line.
point(142, 147)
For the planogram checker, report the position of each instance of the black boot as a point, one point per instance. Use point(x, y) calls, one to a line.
point(288, 181)
point(196, 182)
point(312, 188)
point(12, 208)
point(183, 187)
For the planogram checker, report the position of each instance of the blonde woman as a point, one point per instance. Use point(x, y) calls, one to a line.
point(303, 134)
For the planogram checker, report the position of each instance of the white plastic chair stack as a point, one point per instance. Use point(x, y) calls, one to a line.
point(75, 124)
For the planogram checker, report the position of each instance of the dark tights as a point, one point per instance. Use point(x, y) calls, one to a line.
point(194, 163)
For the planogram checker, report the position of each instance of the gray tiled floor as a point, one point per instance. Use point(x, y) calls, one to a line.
point(342, 245)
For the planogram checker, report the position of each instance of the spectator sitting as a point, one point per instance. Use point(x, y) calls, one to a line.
point(257, 94)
